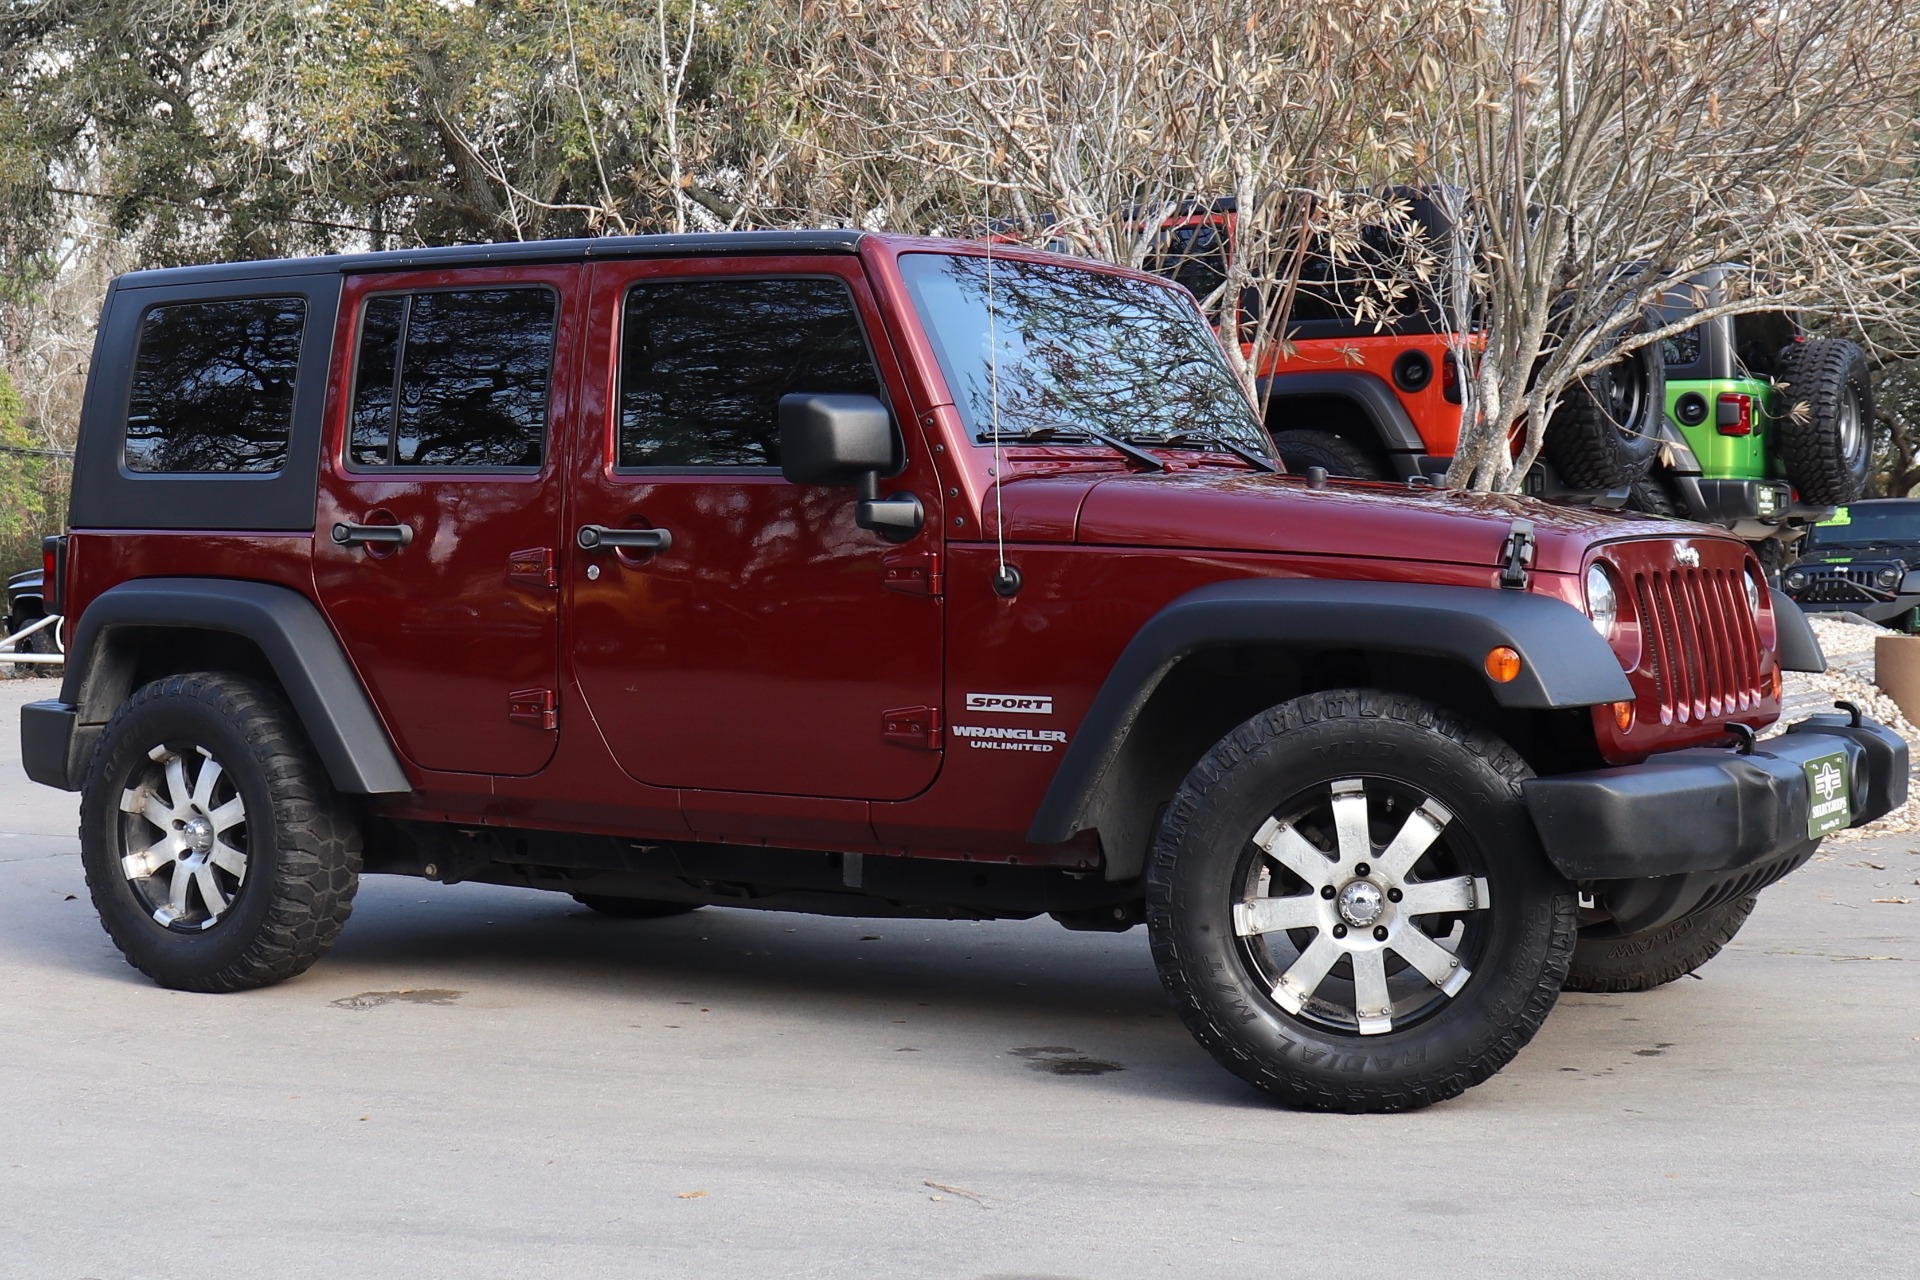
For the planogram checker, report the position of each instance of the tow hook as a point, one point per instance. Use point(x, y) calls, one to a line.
point(1516, 553)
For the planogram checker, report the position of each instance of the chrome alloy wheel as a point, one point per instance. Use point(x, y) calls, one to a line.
point(1853, 436)
point(183, 839)
point(1361, 918)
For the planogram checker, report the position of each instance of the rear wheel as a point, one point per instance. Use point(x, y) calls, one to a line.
point(1655, 957)
point(633, 908)
point(1827, 430)
point(215, 850)
point(1651, 494)
point(1350, 907)
point(1341, 457)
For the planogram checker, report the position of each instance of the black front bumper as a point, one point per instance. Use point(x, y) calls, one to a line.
point(1710, 809)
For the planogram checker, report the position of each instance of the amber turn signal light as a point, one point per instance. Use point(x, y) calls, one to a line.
point(1623, 715)
point(1503, 664)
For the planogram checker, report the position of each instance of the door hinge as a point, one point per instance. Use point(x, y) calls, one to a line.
point(912, 573)
point(535, 708)
point(916, 727)
point(532, 568)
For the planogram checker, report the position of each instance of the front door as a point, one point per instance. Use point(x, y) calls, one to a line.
point(439, 516)
point(763, 648)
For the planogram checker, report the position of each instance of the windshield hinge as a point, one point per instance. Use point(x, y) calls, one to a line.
point(1516, 554)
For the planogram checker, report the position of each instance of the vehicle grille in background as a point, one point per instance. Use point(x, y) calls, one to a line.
point(1701, 646)
point(1842, 584)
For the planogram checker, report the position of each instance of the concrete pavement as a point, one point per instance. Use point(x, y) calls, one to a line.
point(482, 1082)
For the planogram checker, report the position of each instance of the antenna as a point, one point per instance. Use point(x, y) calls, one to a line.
point(1006, 579)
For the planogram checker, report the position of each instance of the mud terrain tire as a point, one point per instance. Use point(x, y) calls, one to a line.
point(206, 783)
point(1224, 895)
point(1650, 494)
point(1828, 445)
point(1603, 433)
point(1302, 449)
point(1643, 961)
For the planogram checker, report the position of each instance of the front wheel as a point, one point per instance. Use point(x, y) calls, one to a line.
point(1654, 957)
point(216, 852)
point(1350, 907)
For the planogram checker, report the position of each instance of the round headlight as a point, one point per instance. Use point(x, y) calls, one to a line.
point(1795, 579)
point(1603, 606)
point(1888, 577)
point(1753, 593)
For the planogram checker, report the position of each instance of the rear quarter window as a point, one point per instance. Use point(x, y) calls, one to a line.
point(213, 386)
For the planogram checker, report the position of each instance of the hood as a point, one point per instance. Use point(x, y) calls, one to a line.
point(1212, 510)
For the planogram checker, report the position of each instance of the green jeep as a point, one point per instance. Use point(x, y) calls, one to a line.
point(1736, 453)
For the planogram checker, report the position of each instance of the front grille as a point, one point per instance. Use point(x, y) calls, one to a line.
point(1842, 584)
point(1701, 647)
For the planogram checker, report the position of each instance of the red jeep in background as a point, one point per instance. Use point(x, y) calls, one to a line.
point(1380, 399)
point(847, 573)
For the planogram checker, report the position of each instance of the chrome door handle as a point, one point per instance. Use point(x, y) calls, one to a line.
point(393, 535)
point(593, 536)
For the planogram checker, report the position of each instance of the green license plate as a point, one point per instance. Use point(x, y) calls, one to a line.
point(1832, 806)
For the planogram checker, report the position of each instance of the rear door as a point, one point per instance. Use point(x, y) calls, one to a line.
point(451, 386)
point(773, 646)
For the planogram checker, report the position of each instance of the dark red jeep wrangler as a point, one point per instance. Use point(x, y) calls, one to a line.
point(844, 573)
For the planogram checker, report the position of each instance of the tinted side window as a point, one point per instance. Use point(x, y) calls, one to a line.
point(1758, 337)
point(1682, 348)
point(453, 379)
point(703, 364)
point(213, 386)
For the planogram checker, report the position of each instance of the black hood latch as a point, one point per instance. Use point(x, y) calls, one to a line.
point(1516, 554)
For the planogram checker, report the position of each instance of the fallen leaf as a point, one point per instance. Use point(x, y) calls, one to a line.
point(70, 897)
point(974, 1196)
point(693, 1195)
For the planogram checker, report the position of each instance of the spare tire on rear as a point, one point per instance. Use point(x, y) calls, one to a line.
point(1826, 432)
point(1605, 432)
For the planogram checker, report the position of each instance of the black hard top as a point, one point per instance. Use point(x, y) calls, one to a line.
point(715, 244)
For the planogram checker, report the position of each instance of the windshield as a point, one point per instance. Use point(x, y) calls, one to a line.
point(1865, 523)
point(1080, 352)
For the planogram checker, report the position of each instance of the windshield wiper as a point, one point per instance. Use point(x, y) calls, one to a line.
point(1043, 435)
point(1258, 461)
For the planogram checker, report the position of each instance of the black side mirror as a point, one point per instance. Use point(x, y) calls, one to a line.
point(834, 439)
point(839, 439)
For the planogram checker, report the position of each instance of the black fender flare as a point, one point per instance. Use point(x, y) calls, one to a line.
point(1798, 647)
point(1370, 393)
point(290, 632)
point(1564, 662)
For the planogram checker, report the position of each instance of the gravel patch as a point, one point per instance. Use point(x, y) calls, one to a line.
point(1848, 644)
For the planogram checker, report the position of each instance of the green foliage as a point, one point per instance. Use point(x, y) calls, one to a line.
point(222, 129)
point(32, 486)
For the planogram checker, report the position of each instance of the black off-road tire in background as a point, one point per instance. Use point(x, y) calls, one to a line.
point(1605, 431)
point(1828, 445)
point(633, 908)
point(1643, 961)
point(1300, 845)
point(1341, 457)
point(1651, 494)
point(215, 849)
